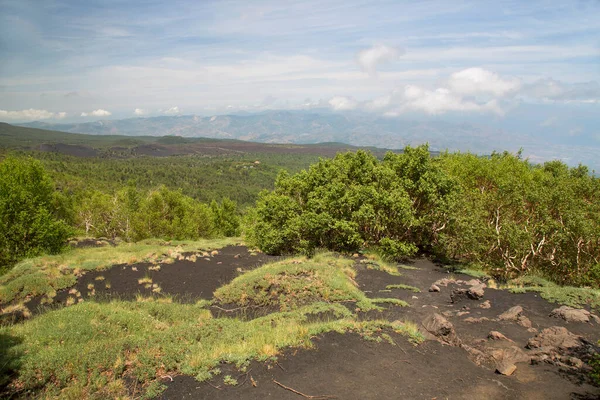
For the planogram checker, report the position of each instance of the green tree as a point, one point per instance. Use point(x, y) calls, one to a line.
point(29, 225)
point(353, 201)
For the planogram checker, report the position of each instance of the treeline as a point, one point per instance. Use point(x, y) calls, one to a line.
point(499, 213)
point(36, 218)
point(204, 178)
point(133, 214)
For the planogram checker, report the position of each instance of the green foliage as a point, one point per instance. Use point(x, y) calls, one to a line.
point(225, 217)
point(29, 212)
point(405, 287)
point(595, 364)
point(204, 178)
point(514, 218)
point(498, 212)
point(292, 283)
point(568, 295)
point(355, 201)
point(134, 215)
point(107, 350)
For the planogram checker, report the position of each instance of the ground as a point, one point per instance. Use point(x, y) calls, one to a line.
point(348, 366)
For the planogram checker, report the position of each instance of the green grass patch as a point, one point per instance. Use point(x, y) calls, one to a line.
point(567, 295)
point(103, 350)
point(375, 262)
point(475, 273)
point(388, 300)
point(294, 282)
point(47, 274)
point(405, 287)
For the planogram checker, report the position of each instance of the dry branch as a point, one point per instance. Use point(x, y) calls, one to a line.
point(322, 397)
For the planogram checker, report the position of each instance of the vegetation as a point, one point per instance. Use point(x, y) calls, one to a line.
point(108, 350)
point(501, 213)
point(514, 218)
point(292, 283)
point(162, 213)
point(536, 227)
point(567, 295)
point(47, 274)
point(204, 178)
point(405, 287)
point(29, 214)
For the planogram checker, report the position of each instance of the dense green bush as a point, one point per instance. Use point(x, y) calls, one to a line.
point(498, 212)
point(514, 218)
point(355, 201)
point(29, 212)
point(133, 215)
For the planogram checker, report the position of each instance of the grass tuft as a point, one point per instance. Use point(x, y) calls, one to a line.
point(405, 287)
point(567, 295)
point(108, 349)
point(375, 262)
point(294, 282)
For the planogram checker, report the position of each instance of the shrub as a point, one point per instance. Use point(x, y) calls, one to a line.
point(29, 224)
point(355, 201)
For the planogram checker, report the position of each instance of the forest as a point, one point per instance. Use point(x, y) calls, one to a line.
point(500, 214)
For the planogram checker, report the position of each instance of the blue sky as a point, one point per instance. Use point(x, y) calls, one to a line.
point(85, 60)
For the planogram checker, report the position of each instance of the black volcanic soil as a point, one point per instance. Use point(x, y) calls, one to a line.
point(185, 280)
point(350, 367)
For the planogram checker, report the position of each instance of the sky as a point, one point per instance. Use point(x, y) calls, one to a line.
point(522, 63)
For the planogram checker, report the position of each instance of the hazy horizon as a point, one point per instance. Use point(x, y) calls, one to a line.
point(521, 68)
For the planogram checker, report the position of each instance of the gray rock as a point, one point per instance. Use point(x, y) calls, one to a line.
point(441, 329)
point(555, 338)
point(571, 314)
point(506, 358)
point(444, 282)
point(434, 288)
point(476, 292)
point(511, 314)
point(524, 321)
point(495, 335)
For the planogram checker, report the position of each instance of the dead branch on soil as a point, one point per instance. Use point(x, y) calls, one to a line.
point(279, 365)
point(216, 387)
point(322, 397)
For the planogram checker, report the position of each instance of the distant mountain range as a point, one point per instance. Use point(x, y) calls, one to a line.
point(358, 129)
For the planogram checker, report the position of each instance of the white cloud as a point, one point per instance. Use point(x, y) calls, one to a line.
point(140, 111)
point(96, 113)
point(438, 101)
point(553, 90)
point(341, 103)
point(30, 115)
point(369, 59)
point(474, 81)
point(172, 111)
point(470, 90)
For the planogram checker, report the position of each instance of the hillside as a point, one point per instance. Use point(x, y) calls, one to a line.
point(358, 129)
point(90, 145)
point(301, 127)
